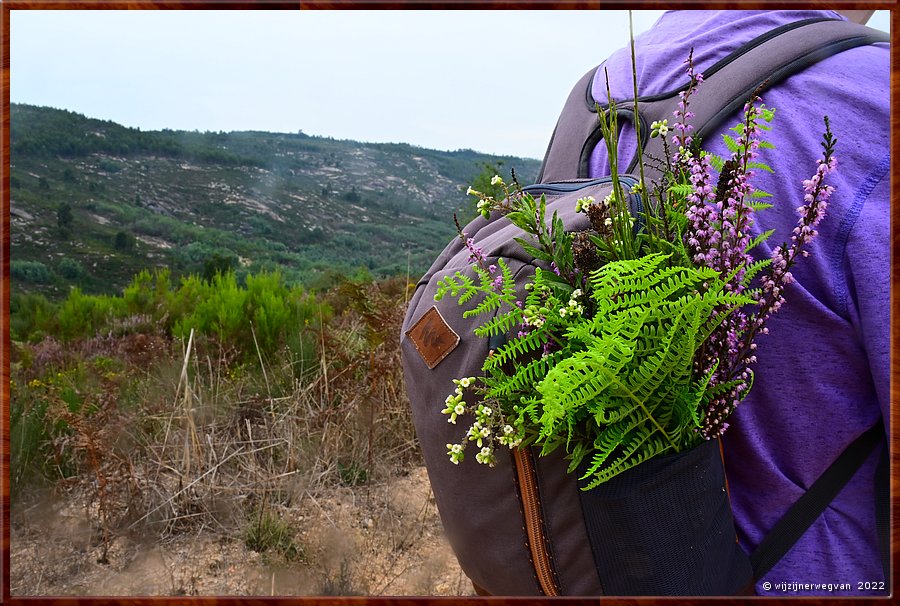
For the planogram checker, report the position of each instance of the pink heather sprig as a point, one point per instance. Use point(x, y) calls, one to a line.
point(737, 214)
point(723, 244)
point(816, 194)
point(681, 130)
point(701, 236)
point(811, 213)
point(476, 257)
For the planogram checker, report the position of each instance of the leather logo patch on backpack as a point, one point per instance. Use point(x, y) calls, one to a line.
point(433, 337)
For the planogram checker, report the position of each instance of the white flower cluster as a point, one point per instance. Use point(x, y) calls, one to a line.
point(482, 430)
point(510, 437)
point(581, 204)
point(454, 401)
point(485, 202)
point(484, 207)
point(532, 316)
point(456, 453)
point(486, 456)
point(574, 308)
point(659, 128)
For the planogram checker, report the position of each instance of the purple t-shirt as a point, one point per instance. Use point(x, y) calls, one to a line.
point(822, 374)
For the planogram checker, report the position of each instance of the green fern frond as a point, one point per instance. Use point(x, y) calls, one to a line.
point(636, 448)
point(761, 166)
point(682, 190)
point(753, 269)
point(516, 348)
point(503, 385)
point(492, 300)
point(454, 284)
point(500, 324)
point(731, 144)
point(528, 411)
point(609, 438)
point(759, 240)
point(580, 379)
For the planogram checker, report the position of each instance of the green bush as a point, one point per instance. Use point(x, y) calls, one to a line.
point(266, 532)
point(34, 272)
point(31, 316)
point(41, 409)
point(123, 241)
point(70, 269)
point(219, 312)
point(268, 309)
point(277, 316)
point(83, 315)
point(182, 303)
point(218, 264)
point(31, 447)
point(149, 294)
point(264, 312)
point(110, 166)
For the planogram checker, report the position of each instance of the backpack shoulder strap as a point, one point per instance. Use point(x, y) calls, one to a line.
point(728, 84)
point(801, 515)
point(573, 129)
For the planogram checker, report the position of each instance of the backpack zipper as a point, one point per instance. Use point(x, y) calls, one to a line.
point(525, 469)
point(534, 522)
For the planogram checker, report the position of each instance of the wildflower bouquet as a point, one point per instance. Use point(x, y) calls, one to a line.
point(634, 338)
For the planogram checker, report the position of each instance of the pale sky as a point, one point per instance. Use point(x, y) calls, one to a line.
point(493, 81)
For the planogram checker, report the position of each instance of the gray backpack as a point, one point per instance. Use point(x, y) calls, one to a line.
point(523, 527)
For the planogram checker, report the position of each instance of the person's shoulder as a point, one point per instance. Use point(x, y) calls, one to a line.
point(852, 87)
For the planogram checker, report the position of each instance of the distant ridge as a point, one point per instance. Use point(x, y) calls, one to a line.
point(94, 202)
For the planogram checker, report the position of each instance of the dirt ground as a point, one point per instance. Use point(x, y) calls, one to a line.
point(383, 539)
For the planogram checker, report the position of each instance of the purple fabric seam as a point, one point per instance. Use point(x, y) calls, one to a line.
point(838, 249)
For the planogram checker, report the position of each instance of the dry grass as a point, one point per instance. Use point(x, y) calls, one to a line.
point(215, 447)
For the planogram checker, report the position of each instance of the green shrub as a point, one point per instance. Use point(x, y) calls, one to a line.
point(41, 410)
point(277, 316)
point(352, 474)
point(218, 264)
point(70, 269)
point(182, 302)
point(64, 219)
point(266, 532)
point(109, 166)
point(34, 272)
point(220, 310)
point(149, 293)
point(83, 315)
point(31, 316)
point(31, 448)
point(123, 241)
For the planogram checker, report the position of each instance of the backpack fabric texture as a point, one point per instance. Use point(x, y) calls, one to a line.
point(524, 527)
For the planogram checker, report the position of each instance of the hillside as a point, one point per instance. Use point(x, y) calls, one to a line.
point(93, 203)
